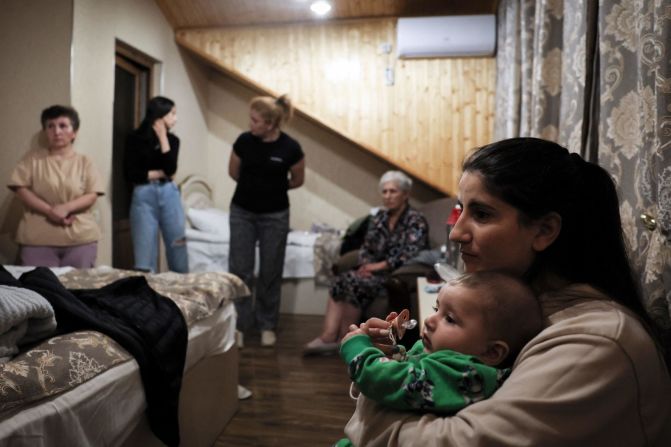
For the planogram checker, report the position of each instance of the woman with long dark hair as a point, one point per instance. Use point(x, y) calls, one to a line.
point(150, 163)
point(596, 374)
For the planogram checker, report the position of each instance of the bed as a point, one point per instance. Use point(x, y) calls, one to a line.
point(308, 256)
point(83, 388)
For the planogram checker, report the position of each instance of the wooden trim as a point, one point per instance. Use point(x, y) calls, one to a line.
point(134, 54)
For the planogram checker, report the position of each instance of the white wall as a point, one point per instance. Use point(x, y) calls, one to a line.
point(35, 53)
point(65, 54)
point(141, 24)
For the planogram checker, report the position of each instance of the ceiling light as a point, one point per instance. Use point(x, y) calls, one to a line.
point(320, 7)
point(340, 70)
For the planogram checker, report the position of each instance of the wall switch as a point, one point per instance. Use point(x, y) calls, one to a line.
point(389, 76)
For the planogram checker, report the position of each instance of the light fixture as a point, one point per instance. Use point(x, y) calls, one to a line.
point(342, 70)
point(320, 7)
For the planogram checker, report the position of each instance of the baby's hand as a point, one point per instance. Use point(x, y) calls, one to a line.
point(377, 329)
point(353, 330)
point(373, 328)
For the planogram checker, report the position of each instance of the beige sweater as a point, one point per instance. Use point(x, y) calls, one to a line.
point(56, 181)
point(592, 377)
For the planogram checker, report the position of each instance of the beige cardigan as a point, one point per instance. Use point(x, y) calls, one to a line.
point(592, 377)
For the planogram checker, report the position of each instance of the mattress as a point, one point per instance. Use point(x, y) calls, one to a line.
point(103, 410)
point(106, 408)
point(208, 252)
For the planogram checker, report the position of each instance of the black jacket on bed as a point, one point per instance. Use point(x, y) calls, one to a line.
point(148, 325)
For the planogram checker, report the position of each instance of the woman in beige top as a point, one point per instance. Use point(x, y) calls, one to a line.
point(58, 188)
point(595, 375)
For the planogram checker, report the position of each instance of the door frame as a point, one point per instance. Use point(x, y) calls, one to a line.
point(144, 69)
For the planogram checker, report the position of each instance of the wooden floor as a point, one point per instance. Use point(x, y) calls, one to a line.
point(296, 401)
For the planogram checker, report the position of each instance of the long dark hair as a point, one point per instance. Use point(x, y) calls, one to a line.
point(157, 108)
point(538, 177)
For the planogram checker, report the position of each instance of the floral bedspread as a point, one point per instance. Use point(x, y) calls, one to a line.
point(197, 295)
point(61, 363)
point(327, 251)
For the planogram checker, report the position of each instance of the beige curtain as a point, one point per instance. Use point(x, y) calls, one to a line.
point(596, 77)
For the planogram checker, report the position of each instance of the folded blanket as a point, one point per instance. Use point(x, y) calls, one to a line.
point(25, 316)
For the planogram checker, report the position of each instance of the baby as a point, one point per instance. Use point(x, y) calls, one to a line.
point(482, 321)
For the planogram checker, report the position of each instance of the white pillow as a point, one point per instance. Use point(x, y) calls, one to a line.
point(302, 238)
point(210, 220)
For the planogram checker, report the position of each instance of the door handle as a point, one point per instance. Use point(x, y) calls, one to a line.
point(649, 222)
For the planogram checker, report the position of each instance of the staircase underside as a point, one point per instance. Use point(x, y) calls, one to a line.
point(435, 111)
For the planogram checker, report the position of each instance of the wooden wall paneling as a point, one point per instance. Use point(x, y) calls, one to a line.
point(440, 154)
point(435, 112)
point(436, 122)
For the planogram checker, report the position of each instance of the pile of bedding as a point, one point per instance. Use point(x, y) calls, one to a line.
point(78, 354)
point(208, 240)
point(25, 317)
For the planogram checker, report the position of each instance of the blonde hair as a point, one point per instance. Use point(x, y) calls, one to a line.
point(273, 111)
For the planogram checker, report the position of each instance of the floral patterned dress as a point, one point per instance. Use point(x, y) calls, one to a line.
point(409, 237)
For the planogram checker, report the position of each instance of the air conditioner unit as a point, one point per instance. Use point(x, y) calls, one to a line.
point(446, 36)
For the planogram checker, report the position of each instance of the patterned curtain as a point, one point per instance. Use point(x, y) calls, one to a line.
point(543, 77)
point(596, 77)
point(635, 135)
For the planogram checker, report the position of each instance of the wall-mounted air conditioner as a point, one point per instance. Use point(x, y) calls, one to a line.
point(446, 36)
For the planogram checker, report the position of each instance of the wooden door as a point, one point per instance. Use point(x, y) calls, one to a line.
point(132, 87)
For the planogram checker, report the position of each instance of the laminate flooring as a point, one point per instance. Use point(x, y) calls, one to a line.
point(297, 401)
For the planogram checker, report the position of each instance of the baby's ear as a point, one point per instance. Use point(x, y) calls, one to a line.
point(496, 353)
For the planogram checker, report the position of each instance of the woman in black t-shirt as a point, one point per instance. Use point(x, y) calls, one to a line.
point(265, 163)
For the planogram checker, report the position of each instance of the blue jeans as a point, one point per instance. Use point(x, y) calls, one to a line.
point(155, 206)
point(270, 230)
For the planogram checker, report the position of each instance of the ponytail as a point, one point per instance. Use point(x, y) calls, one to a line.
point(287, 108)
point(596, 226)
point(274, 111)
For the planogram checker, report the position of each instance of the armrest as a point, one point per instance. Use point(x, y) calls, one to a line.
point(402, 286)
point(345, 262)
point(408, 274)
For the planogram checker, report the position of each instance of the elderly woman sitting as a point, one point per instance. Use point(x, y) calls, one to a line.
point(394, 235)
